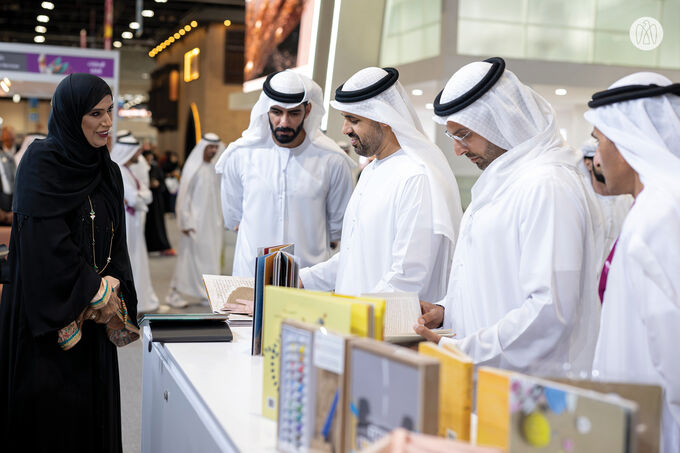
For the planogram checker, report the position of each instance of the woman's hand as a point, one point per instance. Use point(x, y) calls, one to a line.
point(114, 283)
point(107, 314)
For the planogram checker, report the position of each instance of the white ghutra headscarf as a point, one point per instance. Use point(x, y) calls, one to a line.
point(193, 164)
point(393, 108)
point(258, 133)
point(510, 115)
point(124, 149)
point(646, 131)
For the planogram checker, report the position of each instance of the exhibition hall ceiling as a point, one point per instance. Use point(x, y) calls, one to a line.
point(20, 20)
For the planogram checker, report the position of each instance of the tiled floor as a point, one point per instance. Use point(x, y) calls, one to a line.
point(130, 357)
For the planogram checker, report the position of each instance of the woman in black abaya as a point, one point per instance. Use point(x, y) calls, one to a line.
point(72, 299)
point(154, 229)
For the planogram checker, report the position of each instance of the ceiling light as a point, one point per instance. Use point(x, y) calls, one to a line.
point(161, 1)
point(227, 23)
point(166, 42)
point(177, 36)
point(152, 54)
point(182, 32)
point(40, 29)
point(194, 24)
point(47, 5)
point(196, 51)
point(147, 13)
point(16, 98)
point(134, 25)
point(43, 18)
point(39, 39)
point(429, 106)
point(187, 27)
point(117, 44)
point(171, 39)
point(560, 92)
point(126, 35)
point(417, 92)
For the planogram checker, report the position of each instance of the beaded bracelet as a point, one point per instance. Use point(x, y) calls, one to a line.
point(123, 312)
point(100, 302)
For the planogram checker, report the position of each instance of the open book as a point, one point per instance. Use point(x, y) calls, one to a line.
point(228, 294)
point(274, 266)
point(402, 311)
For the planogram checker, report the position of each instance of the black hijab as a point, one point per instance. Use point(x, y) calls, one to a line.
point(57, 174)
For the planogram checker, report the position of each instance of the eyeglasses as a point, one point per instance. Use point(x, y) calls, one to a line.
point(460, 140)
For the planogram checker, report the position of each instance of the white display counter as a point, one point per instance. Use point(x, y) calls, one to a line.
point(204, 397)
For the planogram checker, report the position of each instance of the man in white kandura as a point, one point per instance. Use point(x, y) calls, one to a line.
point(614, 208)
point(402, 221)
point(125, 153)
point(637, 124)
point(522, 293)
point(284, 181)
point(200, 221)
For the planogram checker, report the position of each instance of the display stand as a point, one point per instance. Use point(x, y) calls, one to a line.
point(203, 397)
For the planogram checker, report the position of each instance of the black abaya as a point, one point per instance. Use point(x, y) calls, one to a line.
point(154, 230)
point(53, 399)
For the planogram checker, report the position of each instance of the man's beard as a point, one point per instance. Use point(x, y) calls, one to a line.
point(285, 139)
point(599, 177)
point(370, 144)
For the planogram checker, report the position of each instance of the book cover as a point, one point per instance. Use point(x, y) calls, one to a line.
point(456, 383)
point(311, 307)
point(388, 387)
point(312, 388)
point(522, 413)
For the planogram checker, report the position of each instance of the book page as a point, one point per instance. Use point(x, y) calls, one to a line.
point(401, 312)
point(220, 287)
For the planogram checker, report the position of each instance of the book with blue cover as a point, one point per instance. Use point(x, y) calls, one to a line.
point(275, 266)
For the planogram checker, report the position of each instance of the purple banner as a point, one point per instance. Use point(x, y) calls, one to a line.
point(66, 64)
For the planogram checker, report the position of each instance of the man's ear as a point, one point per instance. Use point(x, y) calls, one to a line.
point(385, 127)
point(308, 108)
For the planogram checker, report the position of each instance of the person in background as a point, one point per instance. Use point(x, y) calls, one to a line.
point(171, 169)
point(28, 139)
point(8, 140)
point(137, 196)
point(155, 232)
point(199, 219)
point(7, 172)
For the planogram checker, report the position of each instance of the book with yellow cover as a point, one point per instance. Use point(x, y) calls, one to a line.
point(376, 321)
point(521, 413)
point(344, 315)
point(455, 389)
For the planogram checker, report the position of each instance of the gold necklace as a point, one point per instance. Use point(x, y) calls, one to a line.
point(94, 259)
